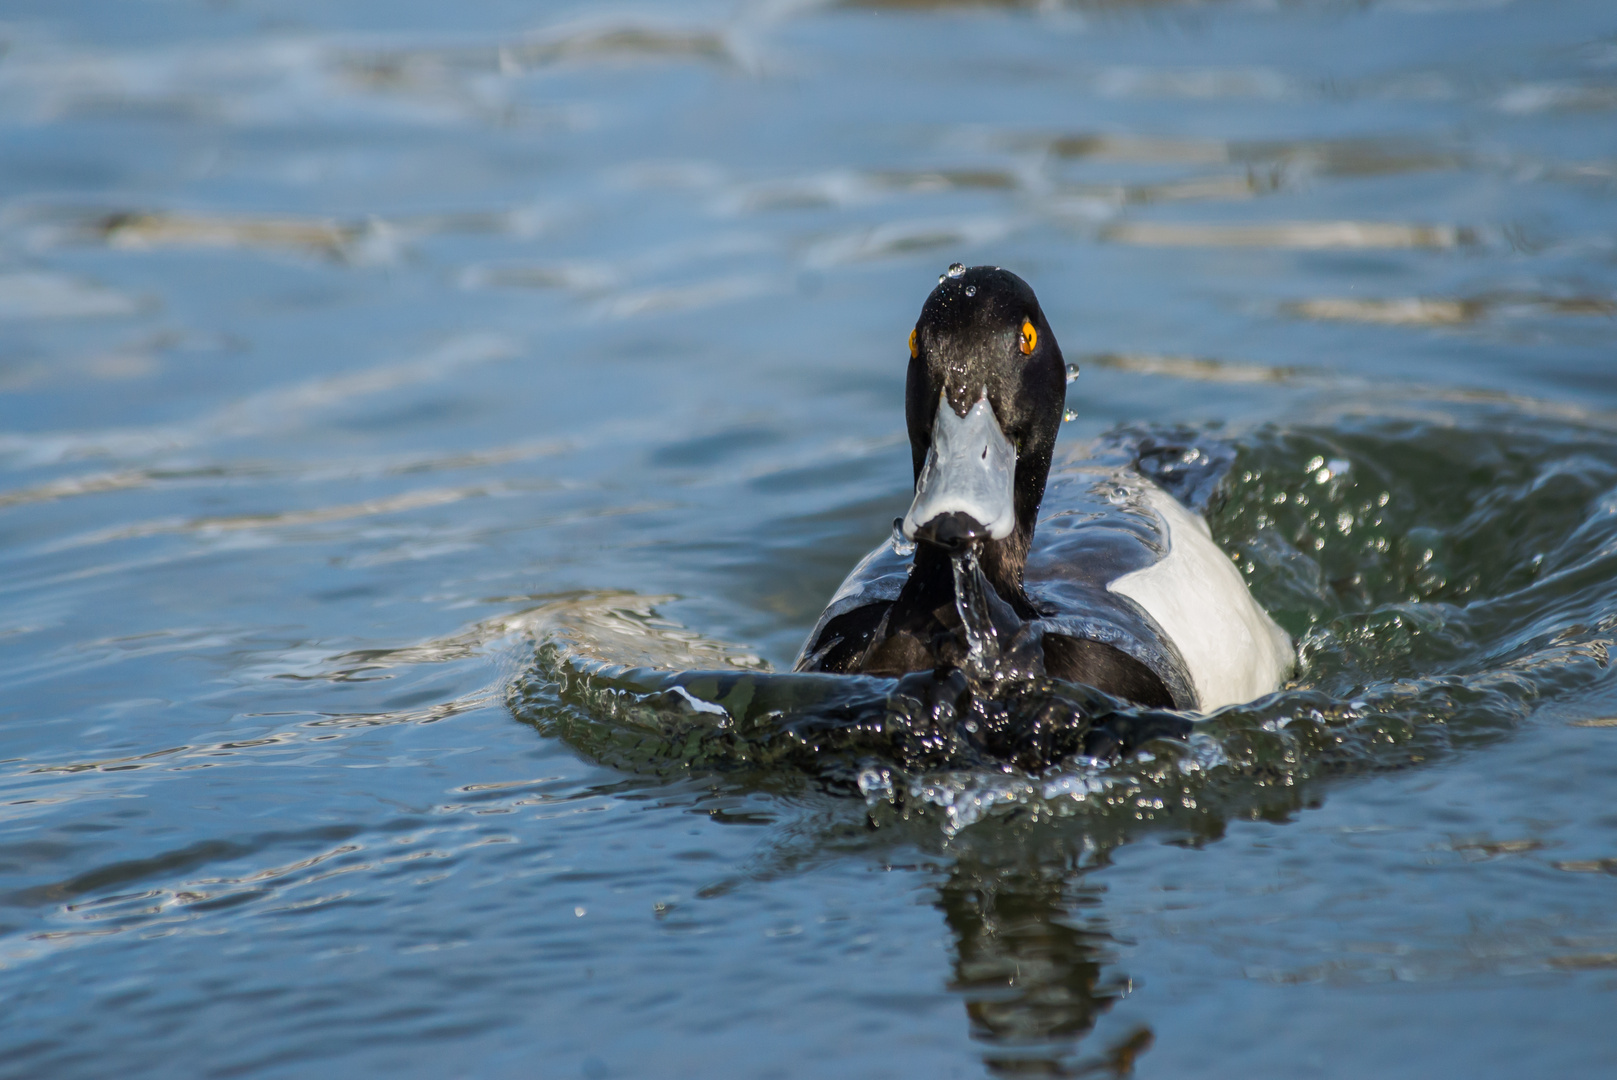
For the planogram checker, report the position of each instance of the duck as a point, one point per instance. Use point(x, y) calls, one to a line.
point(1119, 586)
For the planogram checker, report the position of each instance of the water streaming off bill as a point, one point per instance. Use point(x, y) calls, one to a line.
point(427, 432)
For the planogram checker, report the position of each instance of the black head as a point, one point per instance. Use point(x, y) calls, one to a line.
point(982, 334)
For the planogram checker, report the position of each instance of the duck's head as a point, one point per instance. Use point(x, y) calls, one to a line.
point(984, 399)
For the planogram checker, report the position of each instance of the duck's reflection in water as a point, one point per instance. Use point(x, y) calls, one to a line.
point(1034, 964)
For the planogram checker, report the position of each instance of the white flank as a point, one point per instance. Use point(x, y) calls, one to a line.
point(1233, 650)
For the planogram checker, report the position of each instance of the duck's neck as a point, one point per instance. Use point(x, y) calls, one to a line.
point(931, 582)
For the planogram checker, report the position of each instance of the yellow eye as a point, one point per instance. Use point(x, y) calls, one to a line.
point(915, 350)
point(1030, 336)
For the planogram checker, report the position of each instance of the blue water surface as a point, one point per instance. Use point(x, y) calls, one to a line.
point(349, 349)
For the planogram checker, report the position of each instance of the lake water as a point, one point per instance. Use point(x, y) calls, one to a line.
point(371, 373)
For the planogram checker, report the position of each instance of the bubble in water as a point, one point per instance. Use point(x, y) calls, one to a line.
point(1328, 470)
point(875, 784)
point(902, 544)
point(971, 290)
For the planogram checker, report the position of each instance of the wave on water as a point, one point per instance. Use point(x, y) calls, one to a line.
point(1447, 569)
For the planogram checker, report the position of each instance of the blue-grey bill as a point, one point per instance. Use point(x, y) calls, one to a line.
point(970, 469)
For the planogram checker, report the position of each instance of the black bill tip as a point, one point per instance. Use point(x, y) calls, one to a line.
point(952, 532)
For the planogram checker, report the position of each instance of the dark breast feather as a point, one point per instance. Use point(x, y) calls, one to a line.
point(1094, 636)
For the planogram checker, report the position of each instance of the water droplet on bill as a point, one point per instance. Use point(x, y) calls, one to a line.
point(902, 544)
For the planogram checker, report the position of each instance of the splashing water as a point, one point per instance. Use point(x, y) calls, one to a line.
point(971, 591)
point(902, 545)
point(1436, 605)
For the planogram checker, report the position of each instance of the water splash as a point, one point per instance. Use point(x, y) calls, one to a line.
point(902, 545)
point(971, 601)
point(1418, 642)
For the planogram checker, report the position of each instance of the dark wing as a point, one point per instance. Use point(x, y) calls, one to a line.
point(1106, 668)
point(1097, 536)
point(842, 644)
point(855, 613)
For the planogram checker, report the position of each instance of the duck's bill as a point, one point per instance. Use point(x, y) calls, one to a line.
point(968, 485)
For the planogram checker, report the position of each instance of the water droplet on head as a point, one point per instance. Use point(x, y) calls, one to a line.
point(957, 269)
point(1068, 416)
point(971, 290)
point(1072, 372)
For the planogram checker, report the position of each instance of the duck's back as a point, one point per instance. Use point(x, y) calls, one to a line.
point(1119, 534)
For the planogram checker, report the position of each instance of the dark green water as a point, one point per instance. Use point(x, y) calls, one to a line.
point(391, 396)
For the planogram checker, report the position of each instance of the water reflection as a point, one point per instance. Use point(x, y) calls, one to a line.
point(1295, 235)
point(1030, 961)
point(1445, 311)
